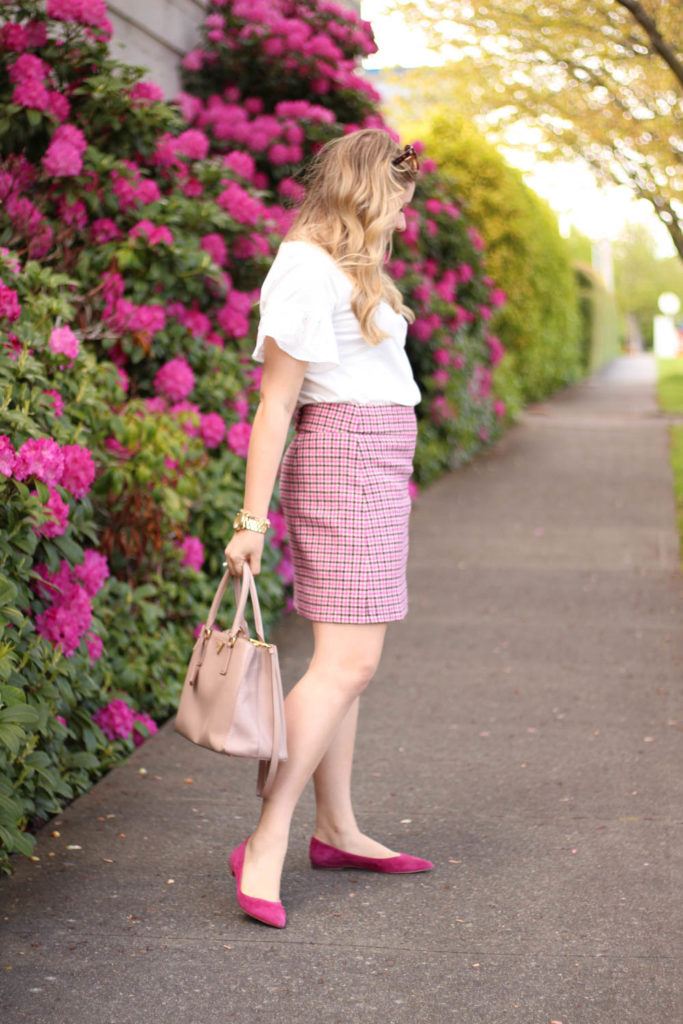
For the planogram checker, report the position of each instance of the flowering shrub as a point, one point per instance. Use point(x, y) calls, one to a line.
point(142, 233)
point(253, 55)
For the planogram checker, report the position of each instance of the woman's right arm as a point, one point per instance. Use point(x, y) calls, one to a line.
point(280, 386)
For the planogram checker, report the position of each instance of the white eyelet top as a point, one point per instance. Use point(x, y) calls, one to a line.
point(306, 308)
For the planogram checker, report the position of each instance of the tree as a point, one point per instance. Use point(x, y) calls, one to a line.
point(641, 277)
point(602, 80)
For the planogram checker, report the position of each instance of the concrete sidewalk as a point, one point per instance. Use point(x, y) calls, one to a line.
point(522, 733)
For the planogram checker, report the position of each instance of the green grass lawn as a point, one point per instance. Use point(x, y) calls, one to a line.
point(670, 394)
point(670, 385)
point(677, 465)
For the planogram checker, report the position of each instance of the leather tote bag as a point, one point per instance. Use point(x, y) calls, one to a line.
point(231, 700)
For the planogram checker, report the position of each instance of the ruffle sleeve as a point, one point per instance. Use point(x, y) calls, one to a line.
point(297, 306)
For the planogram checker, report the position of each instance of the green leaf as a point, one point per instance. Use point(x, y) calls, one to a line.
point(15, 841)
point(19, 714)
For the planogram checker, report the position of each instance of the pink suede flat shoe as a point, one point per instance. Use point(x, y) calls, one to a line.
point(266, 911)
point(324, 856)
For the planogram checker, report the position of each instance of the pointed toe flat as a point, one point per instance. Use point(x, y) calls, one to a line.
point(329, 857)
point(266, 911)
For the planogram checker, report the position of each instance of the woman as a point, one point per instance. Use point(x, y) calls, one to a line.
point(332, 342)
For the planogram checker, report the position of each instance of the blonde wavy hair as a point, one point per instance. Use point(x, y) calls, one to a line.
point(353, 193)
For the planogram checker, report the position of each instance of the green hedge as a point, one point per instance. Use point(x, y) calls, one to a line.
point(540, 325)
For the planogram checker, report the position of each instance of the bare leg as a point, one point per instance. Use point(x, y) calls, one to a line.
point(344, 661)
point(335, 820)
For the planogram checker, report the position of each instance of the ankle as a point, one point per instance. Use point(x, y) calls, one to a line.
point(336, 834)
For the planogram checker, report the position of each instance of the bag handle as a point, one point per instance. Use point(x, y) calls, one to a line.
point(267, 770)
point(246, 589)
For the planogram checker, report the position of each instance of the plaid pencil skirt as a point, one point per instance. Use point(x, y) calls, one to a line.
point(345, 499)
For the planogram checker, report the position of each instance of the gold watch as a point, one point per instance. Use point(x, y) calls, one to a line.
point(246, 521)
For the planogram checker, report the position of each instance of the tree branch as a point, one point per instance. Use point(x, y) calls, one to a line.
point(648, 23)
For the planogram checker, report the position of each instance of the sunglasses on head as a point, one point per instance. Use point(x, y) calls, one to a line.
point(408, 156)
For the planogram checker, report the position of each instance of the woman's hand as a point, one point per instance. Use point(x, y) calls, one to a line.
point(244, 546)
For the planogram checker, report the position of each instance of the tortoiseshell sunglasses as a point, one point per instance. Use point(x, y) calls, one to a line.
point(409, 155)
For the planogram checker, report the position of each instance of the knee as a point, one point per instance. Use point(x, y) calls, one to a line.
point(352, 675)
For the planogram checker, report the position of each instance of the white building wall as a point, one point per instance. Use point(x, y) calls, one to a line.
point(156, 34)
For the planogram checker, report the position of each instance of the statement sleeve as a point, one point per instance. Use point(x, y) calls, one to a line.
point(297, 306)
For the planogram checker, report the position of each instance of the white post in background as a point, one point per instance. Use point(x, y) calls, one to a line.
point(667, 342)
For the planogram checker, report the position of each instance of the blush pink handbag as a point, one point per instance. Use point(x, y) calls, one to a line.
point(231, 699)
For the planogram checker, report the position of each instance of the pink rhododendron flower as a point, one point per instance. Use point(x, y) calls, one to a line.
point(194, 60)
point(496, 349)
point(87, 12)
point(291, 190)
point(124, 382)
point(7, 456)
point(465, 273)
point(193, 552)
point(497, 298)
point(191, 423)
point(94, 646)
point(499, 408)
point(9, 303)
point(241, 163)
point(79, 470)
point(70, 615)
point(440, 378)
point(238, 438)
point(31, 93)
point(175, 379)
point(27, 67)
point(212, 429)
point(277, 525)
point(240, 205)
point(116, 719)
point(59, 516)
point(61, 720)
point(421, 329)
point(476, 238)
point(63, 341)
point(103, 230)
point(152, 232)
point(285, 568)
point(116, 448)
point(144, 719)
point(58, 105)
point(72, 214)
point(56, 401)
point(196, 322)
point(192, 143)
point(193, 188)
point(93, 571)
point(241, 407)
point(144, 93)
point(41, 457)
point(36, 34)
point(13, 37)
point(64, 156)
point(442, 357)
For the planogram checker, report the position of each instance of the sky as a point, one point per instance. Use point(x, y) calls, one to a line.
point(570, 188)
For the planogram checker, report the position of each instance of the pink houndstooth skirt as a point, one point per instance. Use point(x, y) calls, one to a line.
point(344, 494)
